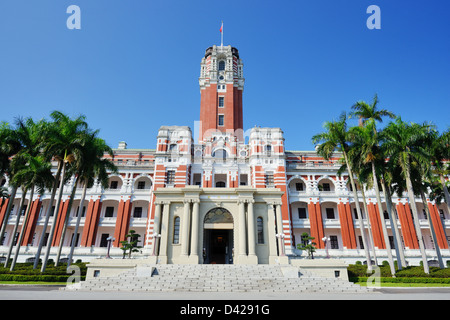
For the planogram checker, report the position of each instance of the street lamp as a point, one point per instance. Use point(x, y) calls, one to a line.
point(110, 240)
point(325, 239)
point(155, 236)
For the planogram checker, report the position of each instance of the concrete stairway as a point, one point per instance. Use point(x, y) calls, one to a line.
point(218, 278)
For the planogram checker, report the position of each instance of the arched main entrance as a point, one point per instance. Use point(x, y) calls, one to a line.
point(218, 237)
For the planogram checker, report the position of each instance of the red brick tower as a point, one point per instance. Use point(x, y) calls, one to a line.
point(221, 86)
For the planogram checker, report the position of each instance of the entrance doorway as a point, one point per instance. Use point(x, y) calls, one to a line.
point(218, 237)
point(218, 248)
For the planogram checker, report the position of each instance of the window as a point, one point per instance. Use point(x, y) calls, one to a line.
point(302, 213)
point(269, 180)
point(221, 119)
point(141, 185)
point(104, 240)
point(220, 154)
point(109, 212)
point(259, 225)
point(330, 213)
point(170, 177)
point(221, 65)
point(173, 147)
point(304, 239)
point(114, 184)
point(137, 212)
point(361, 243)
point(220, 184)
point(221, 102)
point(176, 230)
point(243, 180)
point(268, 150)
point(78, 211)
point(326, 187)
point(299, 186)
point(334, 242)
point(77, 239)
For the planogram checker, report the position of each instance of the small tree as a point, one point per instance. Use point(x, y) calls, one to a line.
point(130, 246)
point(307, 244)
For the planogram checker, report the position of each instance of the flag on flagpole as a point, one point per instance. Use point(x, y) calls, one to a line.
point(221, 35)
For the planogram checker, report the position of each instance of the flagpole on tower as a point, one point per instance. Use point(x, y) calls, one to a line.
point(221, 35)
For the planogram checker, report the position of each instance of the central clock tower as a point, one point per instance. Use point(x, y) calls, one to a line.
point(221, 87)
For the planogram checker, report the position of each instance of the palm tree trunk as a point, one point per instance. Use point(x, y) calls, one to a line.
point(16, 225)
point(8, 212)
point(47, 216)
point(22, 231)
point(412, 204)
point(66, 221)
point(394, 220)
point(55, 218)
point(401, 262)
point(80, 212)
point(433, 233)
point(369, 227)
point(383, 223)
point(358, 211)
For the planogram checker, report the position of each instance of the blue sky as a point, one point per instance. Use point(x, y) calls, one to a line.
point(134, 65)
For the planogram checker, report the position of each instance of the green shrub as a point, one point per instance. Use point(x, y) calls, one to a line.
point(25, 272)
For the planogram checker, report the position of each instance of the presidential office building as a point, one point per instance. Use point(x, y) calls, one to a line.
point(231, 197)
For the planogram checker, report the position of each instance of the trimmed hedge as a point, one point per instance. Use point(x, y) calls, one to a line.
point(414, 274)
point(24, 272)
point(35, 278)
point(404, 280)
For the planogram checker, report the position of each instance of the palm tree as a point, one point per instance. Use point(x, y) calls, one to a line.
point(440, 154)
point(27, 133)
point(336, 138)
point(89, 163)
point(36, 174)
point(364, 111)
point(368, 115)
point(9, 146)
point(62, 137)
point(367, 146)
point(405, 144)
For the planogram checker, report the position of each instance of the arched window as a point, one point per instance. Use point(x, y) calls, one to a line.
point(221, 65)
point(176, 230)
point(220, 154)
point(259, 225)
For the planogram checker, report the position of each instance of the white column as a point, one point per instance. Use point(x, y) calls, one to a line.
point(164, 232)
point(156, 225)
point(185, 229)
point(242, 230)
point(251, 229)
point(195, 228)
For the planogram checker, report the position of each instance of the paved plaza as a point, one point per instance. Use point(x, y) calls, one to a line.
point(24, 292)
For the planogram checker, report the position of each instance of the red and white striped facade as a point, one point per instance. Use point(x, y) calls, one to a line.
point(266, 189)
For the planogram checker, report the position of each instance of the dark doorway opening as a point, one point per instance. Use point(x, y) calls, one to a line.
point(218, 246)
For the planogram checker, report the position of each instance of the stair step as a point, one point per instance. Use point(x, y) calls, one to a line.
point(219, 278)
